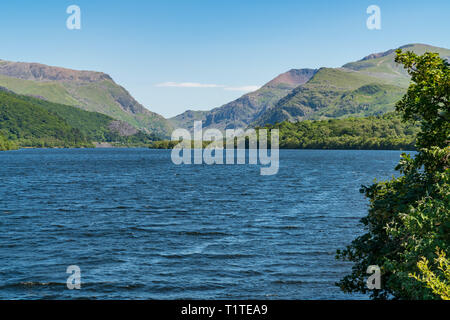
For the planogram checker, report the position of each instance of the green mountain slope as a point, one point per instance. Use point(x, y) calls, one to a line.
point(382, 65)
point(91, 91)
point(30, 121)
point(243, 111)
point(367, 87)
point(26, 124)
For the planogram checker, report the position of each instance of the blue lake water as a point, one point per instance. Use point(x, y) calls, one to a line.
point(140, 227)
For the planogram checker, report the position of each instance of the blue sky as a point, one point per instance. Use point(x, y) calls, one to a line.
point(219, 48)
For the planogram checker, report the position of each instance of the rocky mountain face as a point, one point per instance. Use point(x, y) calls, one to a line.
point(243, 111)
point(88, 90)
point(41, 72)
point(187, 118)
point(122, 128)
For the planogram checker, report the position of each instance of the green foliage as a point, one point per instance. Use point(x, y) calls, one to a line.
point(438, 283)
point(92, 124)
point(163, 144)
point(6, 144)
point(29, 125)
point(140, 139)
point(386, 132)
point(378, 132)
point(409, 216)
point(167, 144)
point(95, 126)
point(427, 99)
point(32, 122)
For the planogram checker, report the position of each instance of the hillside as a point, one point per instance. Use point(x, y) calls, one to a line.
point(243, 111)
point(28, 125)
point(187, 118)
point(28, 121)
point(383, 65)
point(367, 87)
point(88, 90)
point(386, 132)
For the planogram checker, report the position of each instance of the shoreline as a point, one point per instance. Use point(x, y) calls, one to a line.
point(109, 146)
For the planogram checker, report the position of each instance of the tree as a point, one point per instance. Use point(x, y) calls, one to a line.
point(439, 284)
point(6, 145)
point(409, 215)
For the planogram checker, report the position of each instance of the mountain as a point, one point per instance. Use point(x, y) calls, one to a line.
point(88, 90)
point(370, 86)
point(187, 118)
point(32, 122)
point(383, 62)
point(243, 111)
point(335, 93)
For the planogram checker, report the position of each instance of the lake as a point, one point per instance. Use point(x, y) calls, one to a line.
point(140, 227)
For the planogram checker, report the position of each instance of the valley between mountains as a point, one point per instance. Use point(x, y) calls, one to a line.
point(45, 106)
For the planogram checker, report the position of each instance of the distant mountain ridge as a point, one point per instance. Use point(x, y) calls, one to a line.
point(42, 72)
point(243, 111)
point(88, 90)
point(370, 86)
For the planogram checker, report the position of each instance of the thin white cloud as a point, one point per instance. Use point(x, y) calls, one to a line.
point(205, 85)
point(243, 88)
point(188, 85)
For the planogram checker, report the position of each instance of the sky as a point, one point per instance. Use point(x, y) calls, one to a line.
point(175, 55)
